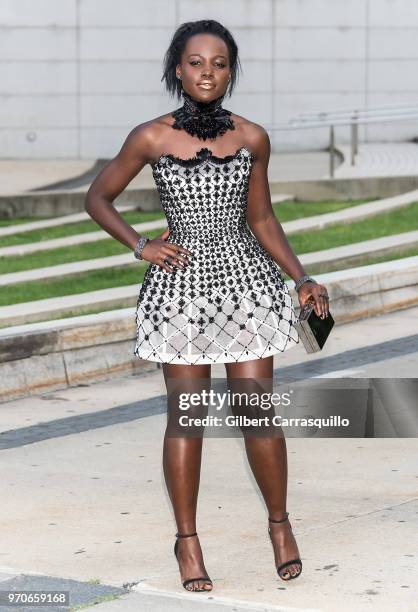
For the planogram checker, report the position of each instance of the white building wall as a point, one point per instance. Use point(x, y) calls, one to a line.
point(77, 75)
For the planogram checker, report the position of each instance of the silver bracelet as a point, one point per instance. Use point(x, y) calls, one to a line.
point(140, 245)
point(304, 279)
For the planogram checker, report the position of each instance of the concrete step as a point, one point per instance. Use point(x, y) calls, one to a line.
point(89, 237)
point(55, 354)
point(387, 244)
point(76, 239)
point(351, 252)
point(57, 307)
point(379, 159)
point(347, 215)
point(55, 243)
point(68, 269)
point(351, 214)
point(19, 228)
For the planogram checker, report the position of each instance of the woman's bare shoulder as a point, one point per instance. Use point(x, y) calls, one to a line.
point(146, 136)
point(254, 135)
point(150, 130)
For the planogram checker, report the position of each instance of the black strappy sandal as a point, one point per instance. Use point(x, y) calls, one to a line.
point(292, 561)
point(186, 582)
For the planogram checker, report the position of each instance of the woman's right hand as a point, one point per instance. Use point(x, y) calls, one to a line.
point(157, 249)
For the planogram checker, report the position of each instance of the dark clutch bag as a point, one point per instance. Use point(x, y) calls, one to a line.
point(312, 330)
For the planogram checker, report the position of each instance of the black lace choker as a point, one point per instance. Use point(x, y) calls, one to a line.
point(202, 119)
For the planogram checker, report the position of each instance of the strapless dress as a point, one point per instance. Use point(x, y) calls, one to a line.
point(231, 302)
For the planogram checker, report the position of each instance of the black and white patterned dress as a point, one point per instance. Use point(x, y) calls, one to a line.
point(231, 302)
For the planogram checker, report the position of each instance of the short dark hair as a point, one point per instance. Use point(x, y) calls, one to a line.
point(178, 42)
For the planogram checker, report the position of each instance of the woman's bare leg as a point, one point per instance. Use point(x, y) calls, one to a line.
point(181, 463)
point(267, 457)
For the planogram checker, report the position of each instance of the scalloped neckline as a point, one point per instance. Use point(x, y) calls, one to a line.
point(202, 155)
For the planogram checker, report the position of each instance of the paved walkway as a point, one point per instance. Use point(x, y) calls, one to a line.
point(379, 159)
point(83, 496)
point(19, 175)
point(23, 175)
point(374, 159)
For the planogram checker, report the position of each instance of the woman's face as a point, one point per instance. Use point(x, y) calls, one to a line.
point(204, 68)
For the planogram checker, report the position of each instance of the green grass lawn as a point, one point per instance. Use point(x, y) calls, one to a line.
point(15, 221)
point(285, 211)
point(365, 261)
point(401, 220)
point(80, 252)
point(77, 283)
point(394, 222)
point(289, 211)
point(82, 227)
point(118, 277)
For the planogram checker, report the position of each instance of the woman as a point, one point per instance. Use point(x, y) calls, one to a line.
point(213, 292)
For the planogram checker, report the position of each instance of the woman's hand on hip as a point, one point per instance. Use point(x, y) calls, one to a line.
point(165, 254)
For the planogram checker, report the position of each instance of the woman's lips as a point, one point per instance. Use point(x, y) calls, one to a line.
point(206, 85)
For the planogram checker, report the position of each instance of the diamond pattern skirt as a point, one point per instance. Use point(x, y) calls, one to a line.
point(229, 304)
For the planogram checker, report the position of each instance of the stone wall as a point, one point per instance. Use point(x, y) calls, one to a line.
point(77, 75)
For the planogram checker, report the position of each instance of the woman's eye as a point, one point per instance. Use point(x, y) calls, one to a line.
point(220, 65)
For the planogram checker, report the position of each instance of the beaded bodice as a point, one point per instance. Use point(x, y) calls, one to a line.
point(204, 196)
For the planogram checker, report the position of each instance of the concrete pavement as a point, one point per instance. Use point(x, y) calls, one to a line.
point(374, 159)
point(379, 159)
point(18, 175)
point(83, 494)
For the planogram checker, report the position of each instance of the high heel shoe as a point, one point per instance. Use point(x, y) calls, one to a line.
point(292, 561)
point(186, 582)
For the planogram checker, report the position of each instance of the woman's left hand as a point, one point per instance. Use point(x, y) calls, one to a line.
point(318, 295)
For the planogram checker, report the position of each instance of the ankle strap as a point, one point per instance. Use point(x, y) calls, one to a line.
point(281, 520)
point(185, 535)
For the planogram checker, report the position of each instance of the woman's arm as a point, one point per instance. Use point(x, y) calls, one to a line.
point(268, 230)
point(110, 183)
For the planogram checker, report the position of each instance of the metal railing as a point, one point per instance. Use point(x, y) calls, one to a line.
point(352, 117)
